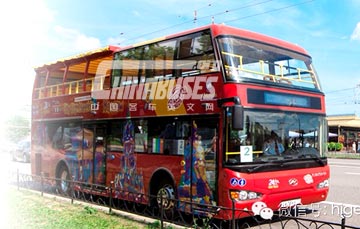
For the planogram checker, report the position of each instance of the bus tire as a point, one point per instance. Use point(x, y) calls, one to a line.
point(63, 179)
point(165, 196)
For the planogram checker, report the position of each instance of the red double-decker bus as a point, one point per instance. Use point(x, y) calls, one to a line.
point(215, 115)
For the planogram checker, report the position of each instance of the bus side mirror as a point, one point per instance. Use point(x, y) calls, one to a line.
point(238, 117)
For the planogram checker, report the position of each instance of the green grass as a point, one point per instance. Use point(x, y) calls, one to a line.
point(343, 155)
point(29, 210)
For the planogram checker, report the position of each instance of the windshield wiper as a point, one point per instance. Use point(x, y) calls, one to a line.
point(264, 165)
point(314, 158)
point(284, 162)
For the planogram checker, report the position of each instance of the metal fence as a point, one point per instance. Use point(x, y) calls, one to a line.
point(204, 217)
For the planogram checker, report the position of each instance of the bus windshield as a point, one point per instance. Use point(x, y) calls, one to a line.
point(276, 136)
point(249, 60)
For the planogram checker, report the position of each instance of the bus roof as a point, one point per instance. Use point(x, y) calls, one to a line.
point(217, 30)
point(79, 60)
point(221, 29)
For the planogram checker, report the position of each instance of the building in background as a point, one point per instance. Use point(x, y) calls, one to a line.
point(345, 129)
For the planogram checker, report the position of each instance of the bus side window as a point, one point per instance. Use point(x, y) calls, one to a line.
point(114, 140)
point(168, 136)
point(196, 54)
point(162, 134)
point(56, 137)
point(185, 48)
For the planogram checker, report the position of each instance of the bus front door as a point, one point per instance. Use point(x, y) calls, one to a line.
point(93, 157)
point(204, 148)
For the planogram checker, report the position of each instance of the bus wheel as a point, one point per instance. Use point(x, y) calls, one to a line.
point(165, 197)
point(63, 182)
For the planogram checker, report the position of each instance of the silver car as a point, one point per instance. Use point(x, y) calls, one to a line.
point(22, 151)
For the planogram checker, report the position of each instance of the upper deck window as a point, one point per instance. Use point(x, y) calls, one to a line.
point(187, 55)
point(248, 60)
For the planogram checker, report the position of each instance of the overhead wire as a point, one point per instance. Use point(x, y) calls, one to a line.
point(222, 13)
point(235, 9)
point(271, 11)
point(166, 28)
point(200, 18)
point(344, 89)
point(342, 97)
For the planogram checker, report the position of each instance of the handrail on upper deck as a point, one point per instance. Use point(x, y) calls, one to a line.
point(72, 87)
point(282, 77)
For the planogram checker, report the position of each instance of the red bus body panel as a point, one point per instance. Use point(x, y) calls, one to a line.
point(275, 187)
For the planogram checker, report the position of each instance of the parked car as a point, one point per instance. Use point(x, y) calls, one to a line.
point(22, 151)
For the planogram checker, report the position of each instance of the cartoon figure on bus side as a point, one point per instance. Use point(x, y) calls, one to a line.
point(195, 163)
point(128, 163)
point(83, 142)
point(128, 160)
point(128, 179)
point(202, 187)
point(99, 161)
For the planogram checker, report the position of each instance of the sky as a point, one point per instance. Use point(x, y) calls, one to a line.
point(41, 31)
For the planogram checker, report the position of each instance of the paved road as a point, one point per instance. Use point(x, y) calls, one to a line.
point(344, 195)
point(343, 199)
point(345, 181)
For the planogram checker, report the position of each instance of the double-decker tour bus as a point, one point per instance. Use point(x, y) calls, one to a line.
point(215, 115)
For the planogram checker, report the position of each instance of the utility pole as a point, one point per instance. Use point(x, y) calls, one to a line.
point(195, 16)
point(357, 94)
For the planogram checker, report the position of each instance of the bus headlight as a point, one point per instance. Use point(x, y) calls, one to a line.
point(241, 195)
point(323, 184)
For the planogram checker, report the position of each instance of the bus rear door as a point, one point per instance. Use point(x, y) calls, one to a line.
point(94, 154)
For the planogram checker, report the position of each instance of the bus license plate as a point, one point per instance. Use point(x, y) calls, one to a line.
point(290, 203)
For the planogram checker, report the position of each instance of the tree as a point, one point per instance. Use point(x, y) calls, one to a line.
point(16, 128)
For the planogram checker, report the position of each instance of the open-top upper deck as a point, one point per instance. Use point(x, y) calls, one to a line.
point(72, 75)
point(76, 74)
